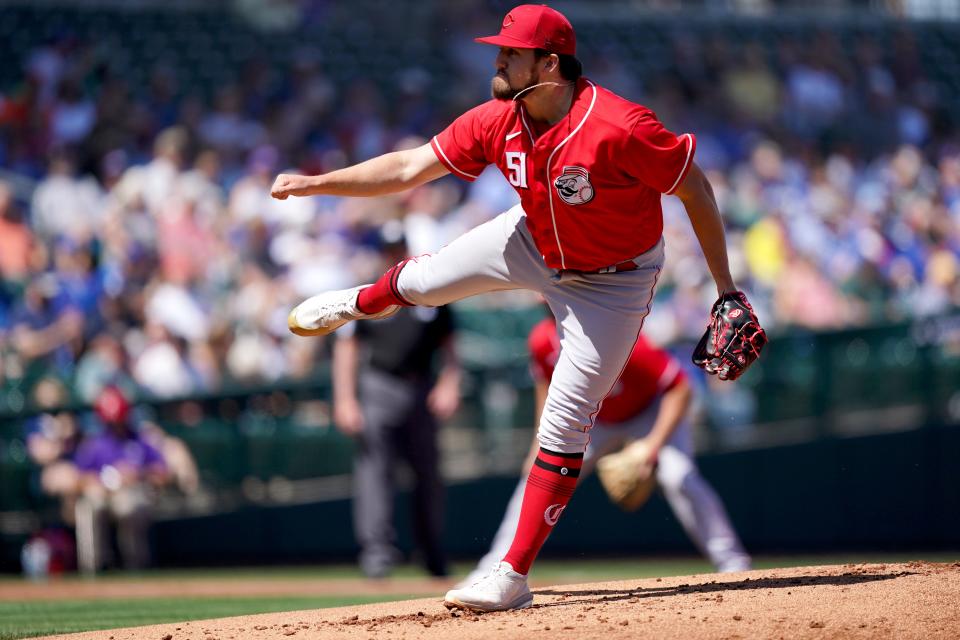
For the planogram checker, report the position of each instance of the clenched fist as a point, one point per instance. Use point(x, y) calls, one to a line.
point(288, 184)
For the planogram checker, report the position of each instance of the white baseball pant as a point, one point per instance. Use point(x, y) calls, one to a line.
point(599, 315)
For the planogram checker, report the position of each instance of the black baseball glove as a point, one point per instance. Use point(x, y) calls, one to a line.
point(733, 338)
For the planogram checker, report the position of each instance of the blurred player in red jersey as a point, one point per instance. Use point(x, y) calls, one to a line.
point(651, 401)
point(590, 168)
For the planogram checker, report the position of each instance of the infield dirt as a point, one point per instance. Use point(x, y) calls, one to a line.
point(909, 600)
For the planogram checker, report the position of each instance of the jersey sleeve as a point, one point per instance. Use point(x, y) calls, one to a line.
point(656, 156)
point(540, 345)
point(671, 376)
point(659, 366)
point(461, 147)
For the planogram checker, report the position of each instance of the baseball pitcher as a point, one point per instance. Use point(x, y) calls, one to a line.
point(590, 168)
point(641, 438)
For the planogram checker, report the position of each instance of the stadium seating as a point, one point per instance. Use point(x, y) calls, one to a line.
point(207, 47)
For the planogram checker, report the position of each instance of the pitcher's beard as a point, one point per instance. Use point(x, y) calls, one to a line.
point(500, 89)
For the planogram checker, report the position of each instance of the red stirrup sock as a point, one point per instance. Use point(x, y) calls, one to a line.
point(383, 293)
point(552, 480)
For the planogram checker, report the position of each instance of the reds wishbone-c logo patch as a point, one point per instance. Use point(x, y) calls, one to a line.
point(574, 186)
point(552, 513)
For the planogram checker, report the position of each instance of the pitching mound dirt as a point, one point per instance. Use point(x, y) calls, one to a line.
point(912, 600)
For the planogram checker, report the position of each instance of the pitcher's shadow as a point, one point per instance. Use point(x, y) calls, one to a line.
point(613, 595)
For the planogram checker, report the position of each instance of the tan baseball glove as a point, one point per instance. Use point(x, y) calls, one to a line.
point(627, 475)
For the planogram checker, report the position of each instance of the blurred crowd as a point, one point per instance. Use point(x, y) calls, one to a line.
point(139, 244)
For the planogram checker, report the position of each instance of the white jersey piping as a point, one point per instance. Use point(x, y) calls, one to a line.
point(440, 149)
point(686, 162)
point(669, 374)
point(523, 119)
point(553, 216)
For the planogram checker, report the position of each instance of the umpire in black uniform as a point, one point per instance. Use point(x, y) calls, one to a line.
point(393, 380)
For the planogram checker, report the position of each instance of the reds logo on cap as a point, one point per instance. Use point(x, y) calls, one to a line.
point(574, 186)
point(735, 313)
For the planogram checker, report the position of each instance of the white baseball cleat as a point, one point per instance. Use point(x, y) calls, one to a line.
point(476, 575)
point(735, 565)
point(327, 312)
point(501, 589)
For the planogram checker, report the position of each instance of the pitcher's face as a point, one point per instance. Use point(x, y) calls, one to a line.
point(517, 69)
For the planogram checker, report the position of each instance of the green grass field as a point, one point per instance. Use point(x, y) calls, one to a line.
point(24, 619)
point(27, 619)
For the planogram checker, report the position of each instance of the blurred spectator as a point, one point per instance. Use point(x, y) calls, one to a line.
point(752, 88)
point(47, 328)
point(227, 128)
point(104, 363)
point(175, 305)
point(120, 472)
point(17, 245)
point(108, 476)
point(72, 116)
point(201, 188)
point(250, 197)
point(163, 366)
point(53, 438)
point(78, 279)
point(804, 295)
point(815, 92)
point(184, 474)
point(65, 205)
point(156, 181)
point(387, 397)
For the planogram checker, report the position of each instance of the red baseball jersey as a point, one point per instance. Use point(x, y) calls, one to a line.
point(590, 184)
point(649, 373)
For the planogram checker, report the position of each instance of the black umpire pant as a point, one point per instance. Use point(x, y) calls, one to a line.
point(397, 425)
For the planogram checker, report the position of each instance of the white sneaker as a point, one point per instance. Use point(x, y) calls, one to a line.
point(327, 312)
point(501, 589)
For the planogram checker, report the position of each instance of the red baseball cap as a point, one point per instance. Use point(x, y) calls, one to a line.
point(112, 406)
point(535, 26)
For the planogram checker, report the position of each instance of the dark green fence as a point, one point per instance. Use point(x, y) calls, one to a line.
point(253, 443)
point(808, 374)
point(883, 492)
